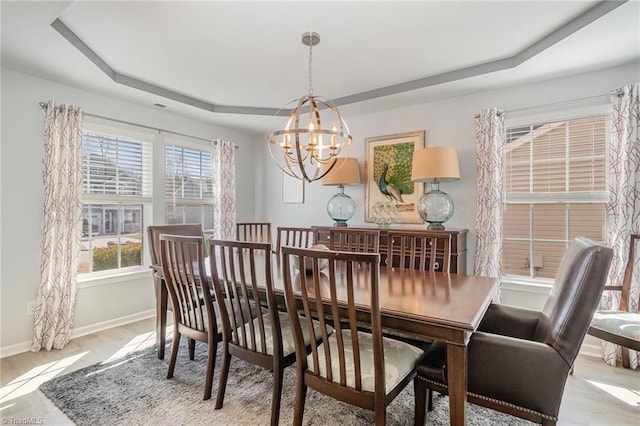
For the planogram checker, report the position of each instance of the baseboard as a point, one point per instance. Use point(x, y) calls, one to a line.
point(19, 348)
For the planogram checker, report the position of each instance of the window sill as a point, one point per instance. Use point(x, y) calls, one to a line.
point(527, 285)
point(116, 277)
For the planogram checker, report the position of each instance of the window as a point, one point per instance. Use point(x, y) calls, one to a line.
point(189, 186)
point(555, 190)
point(116, 186)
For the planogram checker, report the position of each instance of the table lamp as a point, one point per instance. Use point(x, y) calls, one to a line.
point(435, 165)
point(341, 207)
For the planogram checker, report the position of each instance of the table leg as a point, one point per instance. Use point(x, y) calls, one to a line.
point(161, 315)
point(457, 380)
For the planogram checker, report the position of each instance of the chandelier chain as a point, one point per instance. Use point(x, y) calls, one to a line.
point(310, 69)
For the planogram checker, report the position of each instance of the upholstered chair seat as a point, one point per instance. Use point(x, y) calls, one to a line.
point(399, 360)
point(620, 323)
point(288, 345)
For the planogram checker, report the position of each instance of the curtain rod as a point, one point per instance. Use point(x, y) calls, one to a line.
point(618, 92)
point(43, 105)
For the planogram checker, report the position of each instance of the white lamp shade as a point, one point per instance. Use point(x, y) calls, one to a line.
point(346, 171)
point(439, 162)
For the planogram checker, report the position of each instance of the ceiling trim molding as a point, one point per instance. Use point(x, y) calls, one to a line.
point(600, 9)
point(136, 83)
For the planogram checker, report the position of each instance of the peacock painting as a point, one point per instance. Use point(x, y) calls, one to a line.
point(389, 160)
point(392, 170)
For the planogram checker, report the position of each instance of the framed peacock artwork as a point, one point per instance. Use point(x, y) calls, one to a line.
point(390, 195)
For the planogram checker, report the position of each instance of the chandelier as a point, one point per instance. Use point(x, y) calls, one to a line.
point(315, 134)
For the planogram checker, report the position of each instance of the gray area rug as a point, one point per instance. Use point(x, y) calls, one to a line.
point(134, 390)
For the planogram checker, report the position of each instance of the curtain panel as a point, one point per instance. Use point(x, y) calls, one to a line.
point(623, 207)
point(490, 140)
point(61, 227)
point(223, 157)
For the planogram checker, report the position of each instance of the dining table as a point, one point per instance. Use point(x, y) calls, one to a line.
point(432, 305)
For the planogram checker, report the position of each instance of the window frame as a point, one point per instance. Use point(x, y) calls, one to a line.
point(100, 126)
point(186, 202)
point(553, 113)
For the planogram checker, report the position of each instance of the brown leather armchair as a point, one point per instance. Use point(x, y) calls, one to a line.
point(519, 359)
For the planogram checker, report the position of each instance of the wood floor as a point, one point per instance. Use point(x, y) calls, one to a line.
point(596, 394)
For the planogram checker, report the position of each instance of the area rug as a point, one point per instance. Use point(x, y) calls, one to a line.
point(134, 390)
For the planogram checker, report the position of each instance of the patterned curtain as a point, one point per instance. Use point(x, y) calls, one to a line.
point(490, 140)
point(623, 208)
point(223, 156)
point(61, 227)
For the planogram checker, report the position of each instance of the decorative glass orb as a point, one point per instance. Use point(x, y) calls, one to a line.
point(435, 207)
point(341, 207)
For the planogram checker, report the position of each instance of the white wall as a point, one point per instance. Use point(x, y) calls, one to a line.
point(98, 304)
point(447, 122)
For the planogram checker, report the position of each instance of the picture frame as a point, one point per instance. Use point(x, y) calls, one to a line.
point(292, 190)
point(396, 151)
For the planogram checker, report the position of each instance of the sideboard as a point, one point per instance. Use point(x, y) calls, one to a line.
point(458, 261)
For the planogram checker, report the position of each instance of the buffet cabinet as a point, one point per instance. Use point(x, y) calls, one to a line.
point(457, 262)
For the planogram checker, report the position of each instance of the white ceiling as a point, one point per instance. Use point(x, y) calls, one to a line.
point(249, 54)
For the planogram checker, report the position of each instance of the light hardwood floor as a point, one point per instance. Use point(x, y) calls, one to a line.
point(596, 394)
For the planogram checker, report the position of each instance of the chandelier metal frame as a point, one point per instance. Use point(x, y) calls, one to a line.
point(308, 152)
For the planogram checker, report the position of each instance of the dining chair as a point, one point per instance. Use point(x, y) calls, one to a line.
point(419, 250)
point(193, 312)
point(252, 327)
point(363, 369)
point(360, 240)
point(519, 359)
point(295, 237)
point(621, 326)
point(162, 297)
point(254, 231)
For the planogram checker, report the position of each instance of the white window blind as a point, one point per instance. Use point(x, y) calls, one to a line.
point(116, 167)
point(555, 190)
point(189, 185)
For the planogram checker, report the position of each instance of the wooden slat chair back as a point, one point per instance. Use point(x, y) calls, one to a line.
point(257, 232)
point(242, 278)
point(190, 293)
point(162, 305)
point(621, 326)
point(361, 241)
point(349, 365)
point(295, 237)
point(419, 250)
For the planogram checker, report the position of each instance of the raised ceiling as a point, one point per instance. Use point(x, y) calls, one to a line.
point(247, 56)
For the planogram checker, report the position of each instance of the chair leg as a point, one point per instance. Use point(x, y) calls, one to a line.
point(276, 395)
point(224, 374)
point(161, 315)
point(192, 349)
point(420, 391)
point(381, 415)
point(174, 353)
point(211, 365)
point(429, 400)
point(626, 362)
point(301, 394)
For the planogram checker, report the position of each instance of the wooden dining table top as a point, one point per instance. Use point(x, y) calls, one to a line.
point(442, 306)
